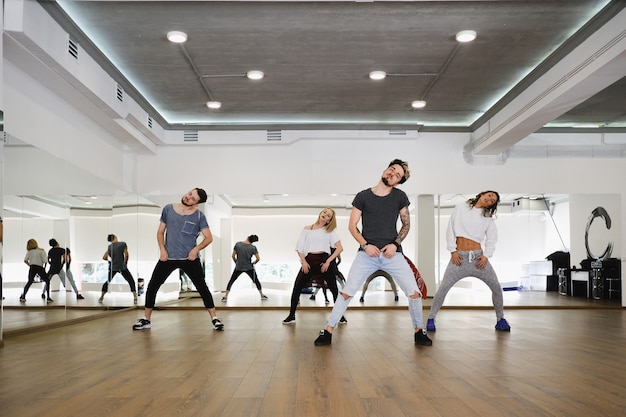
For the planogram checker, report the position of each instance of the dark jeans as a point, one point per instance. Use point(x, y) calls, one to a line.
point(251, 273)
point(315, 261)
point(36, 270)
point(194, 271)
point(127, 276)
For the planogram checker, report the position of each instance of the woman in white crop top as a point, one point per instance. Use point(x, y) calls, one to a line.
point(470, 225)
point(318, 263)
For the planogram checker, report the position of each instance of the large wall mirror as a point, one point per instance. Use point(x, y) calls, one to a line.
point(46, 197)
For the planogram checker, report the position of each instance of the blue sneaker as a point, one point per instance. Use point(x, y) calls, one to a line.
point(503, 326)
point(430, 325)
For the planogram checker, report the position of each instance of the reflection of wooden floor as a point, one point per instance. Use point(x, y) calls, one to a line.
point(18, 318)
point(554, 363)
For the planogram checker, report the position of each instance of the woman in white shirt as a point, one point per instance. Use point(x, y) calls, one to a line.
point(36, 258)
point(471, 224)
point(318, 264)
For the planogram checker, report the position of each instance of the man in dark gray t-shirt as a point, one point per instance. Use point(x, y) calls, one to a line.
point(378, 209)
point(242, 256)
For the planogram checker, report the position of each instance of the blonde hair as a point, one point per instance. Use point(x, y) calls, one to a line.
point(31, 244)
point(332, 224)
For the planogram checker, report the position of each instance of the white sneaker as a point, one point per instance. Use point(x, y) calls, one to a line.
point(141, 324)
point(217, 324)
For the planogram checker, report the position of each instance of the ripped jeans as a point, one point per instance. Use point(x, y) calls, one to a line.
point(362, 267)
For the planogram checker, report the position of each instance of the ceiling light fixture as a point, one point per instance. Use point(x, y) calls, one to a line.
point(378, 75)
point(466, 36)
point(418, 104)
point(255, 75)
point(177, 36)
point(180, 38)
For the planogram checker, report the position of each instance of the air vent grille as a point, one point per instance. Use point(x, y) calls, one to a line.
point(397, 132)
point(190, 136)
point(149, 123)
point(119, 93)
point(274, 135)
point(72, 48)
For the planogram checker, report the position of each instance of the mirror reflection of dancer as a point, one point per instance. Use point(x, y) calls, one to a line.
point(36, 259)
point(117, 255)
point(178, 248)
point(58, 259)
point(340, 280)
point(242, 257)
point(318, 264)
point(378, 209)
point(470, 224)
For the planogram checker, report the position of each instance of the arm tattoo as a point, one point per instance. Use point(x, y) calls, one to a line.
point(405, 218)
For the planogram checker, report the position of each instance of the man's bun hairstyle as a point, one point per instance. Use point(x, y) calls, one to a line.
point(253, 238)
point(202, 194)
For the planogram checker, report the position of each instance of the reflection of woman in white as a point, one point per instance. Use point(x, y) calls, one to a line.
point(470, 224)
point(36, 259)
point(318, 264)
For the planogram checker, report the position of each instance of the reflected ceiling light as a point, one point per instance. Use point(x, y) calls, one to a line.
point(418, 104)
point(213, 104)
point(586, 126)
point(466, 36)
point(255, 75)
point(378, 75)
point(177, 36)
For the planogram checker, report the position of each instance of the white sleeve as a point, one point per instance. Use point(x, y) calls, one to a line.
point(450, 234)
point(491, 238)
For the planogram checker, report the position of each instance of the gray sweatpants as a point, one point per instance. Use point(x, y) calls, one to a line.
point(468, 268)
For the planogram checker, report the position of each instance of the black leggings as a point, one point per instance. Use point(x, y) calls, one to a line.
point(251, 273)
point(315, 261)
point(194, 271)
point(127, 276)
point(37, 270)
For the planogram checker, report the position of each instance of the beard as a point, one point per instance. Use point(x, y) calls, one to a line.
point(385, 181)
point(182, 200)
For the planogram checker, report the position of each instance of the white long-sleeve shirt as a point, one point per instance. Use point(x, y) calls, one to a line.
point(469, 222)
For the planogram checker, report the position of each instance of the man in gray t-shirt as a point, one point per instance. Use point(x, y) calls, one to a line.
point(117, 255)
point(242, 256)
point(177, 235)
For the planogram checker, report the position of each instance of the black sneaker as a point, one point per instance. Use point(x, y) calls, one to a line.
point(141, 324)
point(290, 320)
point(421, 338)
point(343, 320)
point(312, 297)
point(79, 297)
point(217, 324)
point(325, 338)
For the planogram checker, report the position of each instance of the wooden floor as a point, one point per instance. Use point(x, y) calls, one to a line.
point(36, 314)
point(555, 362)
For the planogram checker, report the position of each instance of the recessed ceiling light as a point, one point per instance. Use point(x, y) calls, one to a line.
point(418, 104)
point(255, 75)
point(213, 104)
point(466, 36)
point(177, 36)
point(378, 75)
